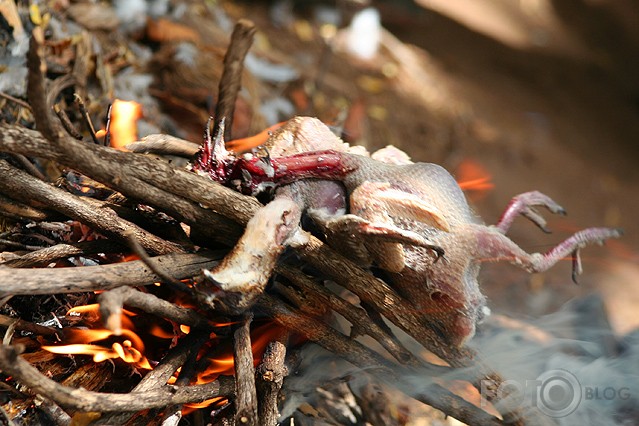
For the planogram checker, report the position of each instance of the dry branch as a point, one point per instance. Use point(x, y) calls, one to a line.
point(60, 251)
point(18, 211)
point(22, 325)
point(362, 324)
point(360, 356)
point(158, 377)
point(245, 393)
point(164, 145)
point(231, 80)
point(15, 281)
point(98, 216)
point(142, 178)
point(111, 303)
point(84, 400)
point(270, 376)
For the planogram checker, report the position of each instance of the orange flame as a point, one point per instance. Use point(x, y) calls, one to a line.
point(129, 346)
point(472, 176)
point(102, 344)
point(124, 117)
point(244, 144)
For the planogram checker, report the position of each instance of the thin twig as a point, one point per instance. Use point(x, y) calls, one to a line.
point(270, 376)
point(59, 251)
point(27, 281)
point(245, 393)
point(22, 325)
point(29, 167)
point(87, 118)
point(66, 123)
point(84, 400)
point(15, 100)
point(231, 80)
point(103, 219)
point(111, 303)
point(155, 267)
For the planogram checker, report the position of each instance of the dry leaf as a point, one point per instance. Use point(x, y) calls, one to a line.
point(163, 30)
point(94, 16)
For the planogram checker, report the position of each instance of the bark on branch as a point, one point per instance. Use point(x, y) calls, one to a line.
point(16, 281)
point(81, 399)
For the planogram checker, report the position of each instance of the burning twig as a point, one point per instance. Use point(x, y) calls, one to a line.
point(15, 100)
point(93, 278)
point(245, 393)
point(231, 80)
point(159, 376)
point(84, 400)
point(111, 304)
point(172, 415)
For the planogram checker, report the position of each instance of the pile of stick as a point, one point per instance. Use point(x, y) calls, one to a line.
point(215, 216)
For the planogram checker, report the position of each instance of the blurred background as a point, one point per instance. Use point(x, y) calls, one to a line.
point(509, 95)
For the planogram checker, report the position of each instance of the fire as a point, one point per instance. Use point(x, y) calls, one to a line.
point(224, 364)
point(216, 356)
point(124, 117)
point(472, 176)
point(240, 145)
point(128, 345)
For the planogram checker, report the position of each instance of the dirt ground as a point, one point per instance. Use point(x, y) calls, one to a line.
point(536, 97)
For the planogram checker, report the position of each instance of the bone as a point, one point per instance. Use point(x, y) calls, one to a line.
point(241, 275)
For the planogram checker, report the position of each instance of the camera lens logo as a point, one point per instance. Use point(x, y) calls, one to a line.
point(558, 393)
